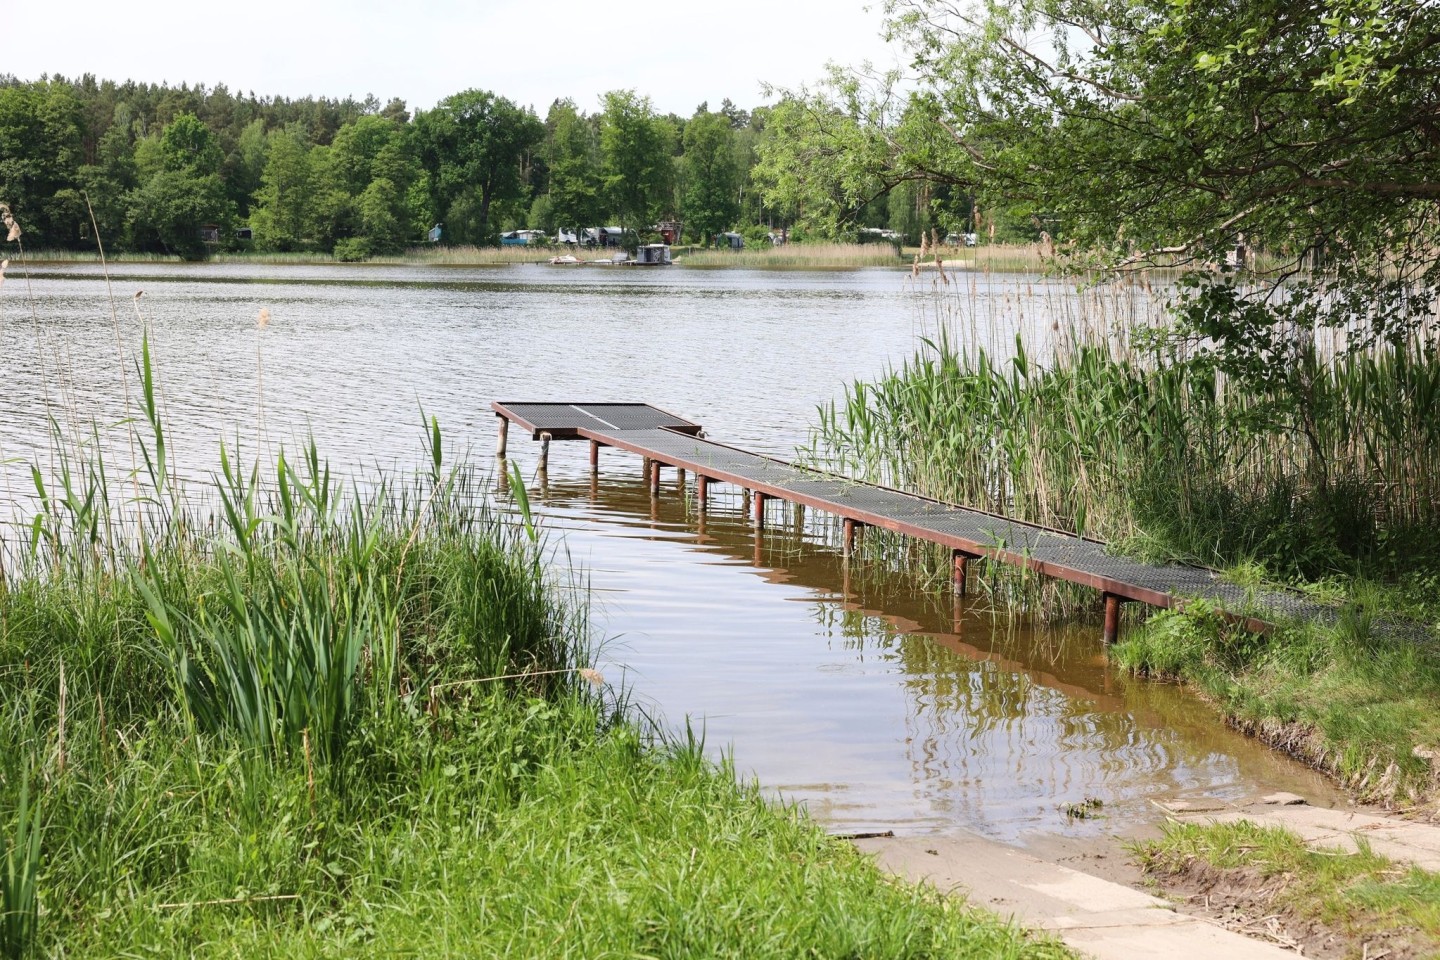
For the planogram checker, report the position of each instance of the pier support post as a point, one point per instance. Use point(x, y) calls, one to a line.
point(960, 571)
point(544, 452)
point(702, 491)
point(760, 499)
point(654, 478)
point(594, 456)
point(852, 530)
point(501, 437)
point(680, 477)
point(1112, 617)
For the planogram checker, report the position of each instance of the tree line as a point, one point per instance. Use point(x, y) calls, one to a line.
point(184, 170)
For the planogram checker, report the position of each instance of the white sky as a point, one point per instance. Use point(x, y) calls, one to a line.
point(678, 52)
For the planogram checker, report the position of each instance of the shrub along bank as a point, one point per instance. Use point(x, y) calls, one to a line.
point(357, 719)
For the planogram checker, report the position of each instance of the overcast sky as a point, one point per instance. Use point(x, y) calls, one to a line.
point(678, 52)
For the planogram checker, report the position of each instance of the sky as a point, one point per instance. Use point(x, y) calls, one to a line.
point(678, 52)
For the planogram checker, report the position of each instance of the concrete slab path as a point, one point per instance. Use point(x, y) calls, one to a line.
point(1404, 841)
point(1099, 918)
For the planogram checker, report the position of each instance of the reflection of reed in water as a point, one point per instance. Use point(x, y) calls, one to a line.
point(1003, 723)
point(987, 742)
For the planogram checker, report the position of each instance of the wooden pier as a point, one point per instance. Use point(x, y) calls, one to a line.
point(664, 440)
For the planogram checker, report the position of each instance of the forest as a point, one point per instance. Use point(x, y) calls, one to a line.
point(189, 170)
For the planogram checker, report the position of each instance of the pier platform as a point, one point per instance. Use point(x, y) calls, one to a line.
point(665, 440)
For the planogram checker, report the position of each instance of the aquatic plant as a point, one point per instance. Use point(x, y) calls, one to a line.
point(1339, 467)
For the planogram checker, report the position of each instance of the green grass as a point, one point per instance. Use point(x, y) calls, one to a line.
point(1362, 896)
point(501, 826)
point(291, 714)
point(1340, 698)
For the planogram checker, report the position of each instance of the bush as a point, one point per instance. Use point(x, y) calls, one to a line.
point(352, 249)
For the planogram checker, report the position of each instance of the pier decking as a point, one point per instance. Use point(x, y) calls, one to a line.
point(666, 440)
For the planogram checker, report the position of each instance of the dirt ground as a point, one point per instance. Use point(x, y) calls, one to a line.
point(1244, 901)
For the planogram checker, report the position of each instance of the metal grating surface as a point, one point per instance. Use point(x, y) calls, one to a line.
point(563, 420)
point(650, 432)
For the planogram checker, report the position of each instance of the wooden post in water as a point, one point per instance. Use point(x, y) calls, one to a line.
point(654, 478)
point(645, 468)
point(594, 456)
point(702, 490)
point(760, 499)
point(501, 437)
point(961, 560)
point(544, 452)
point(1112, 617)
point(680, 477)
point(852, 529)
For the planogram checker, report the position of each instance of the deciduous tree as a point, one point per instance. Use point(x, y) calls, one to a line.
point(711, 199)
point(473, 145)
point(636, 145)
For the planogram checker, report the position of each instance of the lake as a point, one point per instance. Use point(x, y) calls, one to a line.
point(838, 685)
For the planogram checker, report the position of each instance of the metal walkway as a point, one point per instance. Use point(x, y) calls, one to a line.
point(664, 439)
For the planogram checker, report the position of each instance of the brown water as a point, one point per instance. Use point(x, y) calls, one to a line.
point(843, 687)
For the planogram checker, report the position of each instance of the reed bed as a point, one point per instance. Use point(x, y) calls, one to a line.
point(1338, 468)
point(798, 256)
point(465, 256)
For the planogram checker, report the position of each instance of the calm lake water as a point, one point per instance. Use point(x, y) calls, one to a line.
point(876, 705)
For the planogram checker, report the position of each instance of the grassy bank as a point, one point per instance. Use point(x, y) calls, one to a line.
point(1361, 707)
point(1326, 480)
point(290, 714)
point(1331, 904)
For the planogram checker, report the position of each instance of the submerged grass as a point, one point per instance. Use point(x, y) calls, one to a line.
point(286, 714)
point(1375, 906)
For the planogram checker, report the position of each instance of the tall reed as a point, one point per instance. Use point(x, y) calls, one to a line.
point(1104, 439)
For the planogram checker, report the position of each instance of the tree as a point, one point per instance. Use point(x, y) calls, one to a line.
point(181, 192)
point(169, 210)
point(711, 195)
point(827, 155)
point(107, 183)
point(573, 158)
point(39, 157)
point(284, 214)
point(1158, 129)
point(636, 169)
point(473, 145)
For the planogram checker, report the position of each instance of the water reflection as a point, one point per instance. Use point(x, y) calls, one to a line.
point(879, 706)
